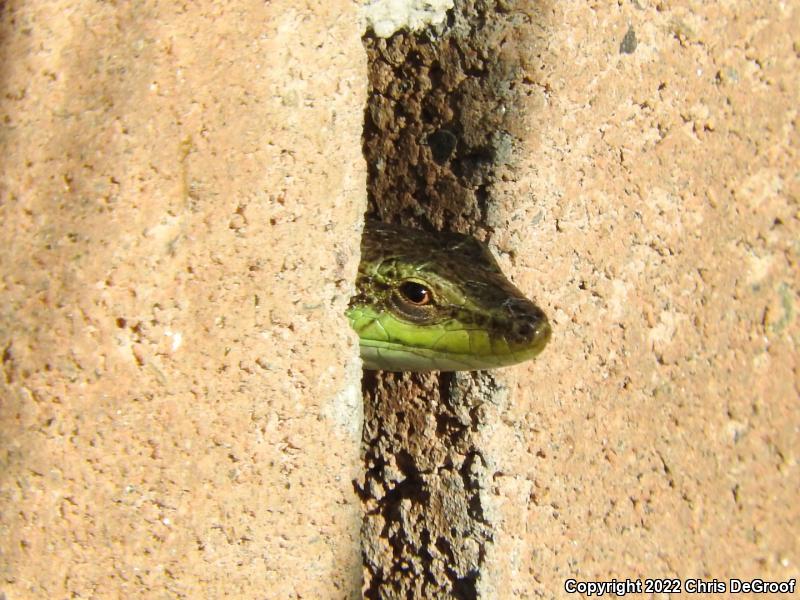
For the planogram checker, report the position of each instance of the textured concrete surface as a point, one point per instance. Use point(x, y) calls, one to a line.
point(180, 197)
point(646, 194)
point(180, 193)
point(656, 219)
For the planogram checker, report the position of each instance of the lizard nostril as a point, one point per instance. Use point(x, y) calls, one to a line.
point(525, 329)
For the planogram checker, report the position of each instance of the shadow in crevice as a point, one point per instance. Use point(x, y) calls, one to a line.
point(442, 117)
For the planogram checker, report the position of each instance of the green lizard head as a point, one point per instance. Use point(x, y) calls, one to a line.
point(439, 301)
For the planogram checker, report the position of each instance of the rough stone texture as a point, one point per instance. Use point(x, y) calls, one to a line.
point(180, 196)
point(655, 216)
point(424, 534)
point(179, 191)
point(442, 113)
point(648, 199)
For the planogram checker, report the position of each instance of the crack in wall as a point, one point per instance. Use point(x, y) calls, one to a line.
point(442, 119)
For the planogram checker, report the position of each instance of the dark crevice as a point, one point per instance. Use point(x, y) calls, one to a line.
point(440, 121)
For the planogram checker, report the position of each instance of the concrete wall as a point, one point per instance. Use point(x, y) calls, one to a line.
point(180, 200)
point(635, 168)
point(657, 220)
point(181, 195)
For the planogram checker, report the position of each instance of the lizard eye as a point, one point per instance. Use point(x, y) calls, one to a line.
point(415, 293)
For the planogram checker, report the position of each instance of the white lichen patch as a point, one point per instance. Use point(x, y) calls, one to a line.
point(385, 17)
